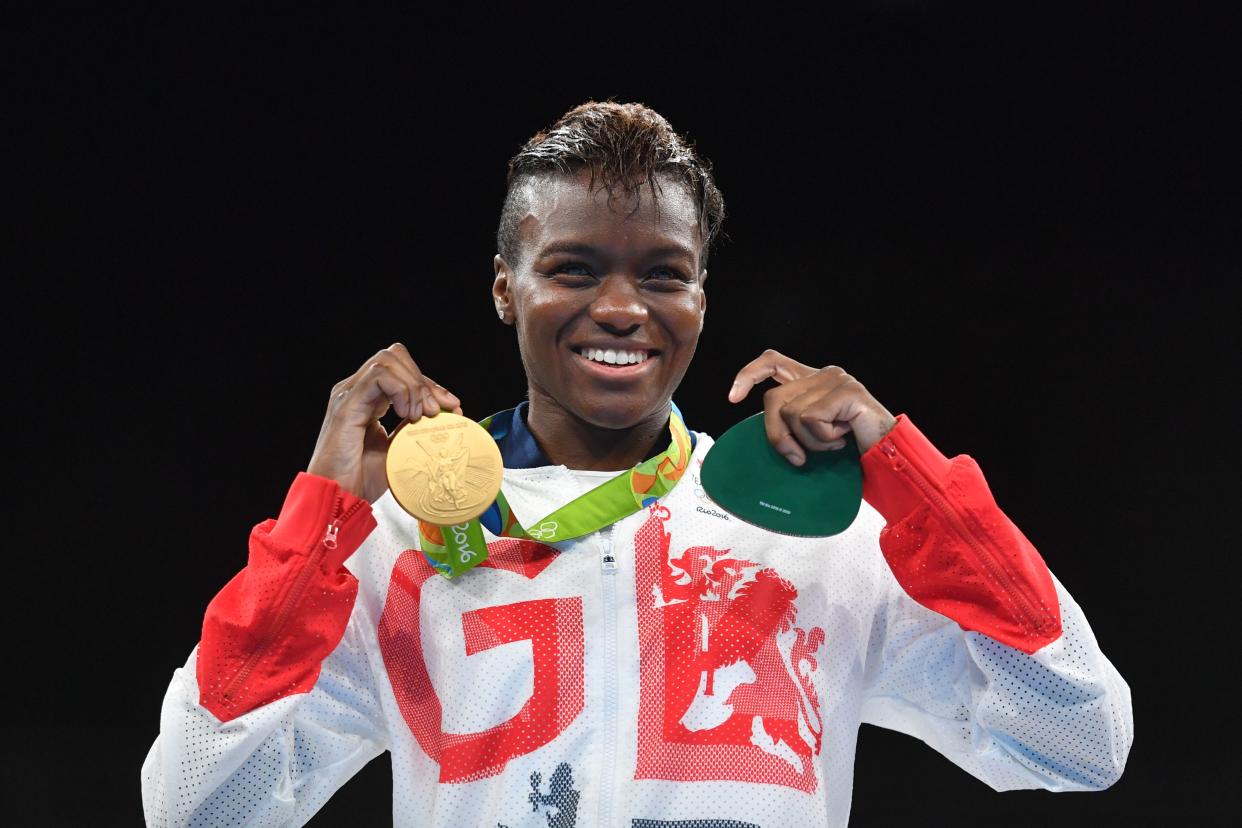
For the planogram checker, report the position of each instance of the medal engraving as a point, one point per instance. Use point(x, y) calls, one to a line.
point(444, 469)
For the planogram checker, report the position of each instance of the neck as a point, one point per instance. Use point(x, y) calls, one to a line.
point(570, 441)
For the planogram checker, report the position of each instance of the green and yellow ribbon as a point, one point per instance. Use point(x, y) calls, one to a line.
point(455, 549)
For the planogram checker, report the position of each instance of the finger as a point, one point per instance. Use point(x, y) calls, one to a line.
point(420, 386)
point(807, 440)
point(831, 416)
point(384, 385)
point(402, 355)
point(828, 429)
point(769, 365)
point(430, 397)
point(779, 434)
point(424, 395)
point(812, 416)
point(380, 383)
point(443, 398)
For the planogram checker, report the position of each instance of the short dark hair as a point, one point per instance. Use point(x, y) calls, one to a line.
point(624, 146)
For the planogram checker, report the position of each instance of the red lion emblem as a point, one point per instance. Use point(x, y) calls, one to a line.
point(727, 689)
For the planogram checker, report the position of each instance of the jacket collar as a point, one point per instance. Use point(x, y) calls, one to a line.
point(518, 447)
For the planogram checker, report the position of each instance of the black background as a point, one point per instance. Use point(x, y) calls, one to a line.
point(1017, 226)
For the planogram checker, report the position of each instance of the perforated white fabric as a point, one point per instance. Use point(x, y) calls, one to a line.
point(797, 640)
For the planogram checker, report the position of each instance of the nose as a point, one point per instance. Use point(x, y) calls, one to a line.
point(618, 306)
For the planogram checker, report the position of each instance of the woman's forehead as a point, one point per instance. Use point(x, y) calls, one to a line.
point(562, 207)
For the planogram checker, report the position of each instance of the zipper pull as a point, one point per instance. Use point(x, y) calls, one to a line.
point(607, 561)
point(329, 537)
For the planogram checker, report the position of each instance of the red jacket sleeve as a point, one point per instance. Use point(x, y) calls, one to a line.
point(268, 631)
point(951, 547)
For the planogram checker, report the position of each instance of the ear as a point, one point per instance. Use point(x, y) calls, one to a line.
point(501, 290)
point(702, 299)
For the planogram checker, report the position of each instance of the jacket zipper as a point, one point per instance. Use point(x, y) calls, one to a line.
point(999, 575)
point(608, 566)
point(328, 541)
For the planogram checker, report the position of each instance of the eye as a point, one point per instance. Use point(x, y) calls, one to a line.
point(670, 275)
point(571, 273)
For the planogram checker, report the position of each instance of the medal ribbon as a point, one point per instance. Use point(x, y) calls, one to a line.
point(454, 549)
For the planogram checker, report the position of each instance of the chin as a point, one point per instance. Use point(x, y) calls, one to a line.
point(617, 416)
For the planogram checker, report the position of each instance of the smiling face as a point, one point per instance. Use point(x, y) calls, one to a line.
point(608, 301)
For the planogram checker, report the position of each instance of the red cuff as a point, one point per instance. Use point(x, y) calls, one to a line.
point(893, 494)
point(267, 632)
point(951, 547)
point(311, 505)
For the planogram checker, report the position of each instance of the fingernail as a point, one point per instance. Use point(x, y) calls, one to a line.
point(794, 458)
point(836, 444)
point(733, 390)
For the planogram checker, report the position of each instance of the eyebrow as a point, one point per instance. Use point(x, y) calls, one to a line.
point(579, 249)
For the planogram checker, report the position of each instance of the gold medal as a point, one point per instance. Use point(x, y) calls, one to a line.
point(444, 469)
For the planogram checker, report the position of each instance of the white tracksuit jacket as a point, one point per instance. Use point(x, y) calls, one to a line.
point(679, 669)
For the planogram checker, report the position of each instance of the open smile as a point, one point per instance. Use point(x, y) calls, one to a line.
point(616, 362)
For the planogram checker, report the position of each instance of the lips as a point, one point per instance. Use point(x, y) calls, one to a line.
point(615, 362)
point(615, 356)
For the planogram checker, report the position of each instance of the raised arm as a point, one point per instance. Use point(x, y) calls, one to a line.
point(277, 706)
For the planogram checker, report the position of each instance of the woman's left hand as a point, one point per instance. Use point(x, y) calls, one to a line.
point(812, 409)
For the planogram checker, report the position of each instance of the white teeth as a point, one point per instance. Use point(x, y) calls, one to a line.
point(613, 356)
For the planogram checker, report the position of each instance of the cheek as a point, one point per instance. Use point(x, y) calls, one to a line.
point(685, 321)
point(540, 319)
point(530, 309)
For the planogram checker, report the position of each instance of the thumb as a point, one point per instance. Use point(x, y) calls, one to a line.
point(380, 407)
point(374, 461)
point(829, 430)
point(377, 437)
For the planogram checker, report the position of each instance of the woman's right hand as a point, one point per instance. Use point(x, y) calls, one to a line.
point(353, 442)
